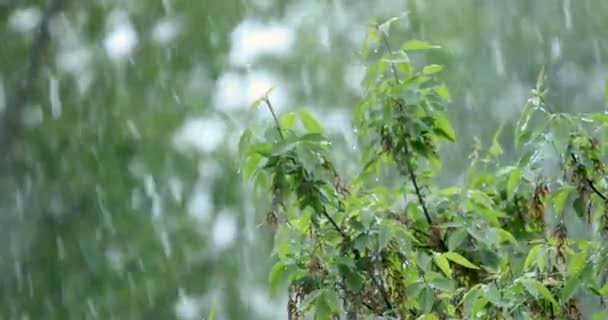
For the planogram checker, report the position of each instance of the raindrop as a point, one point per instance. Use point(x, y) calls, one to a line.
point(498, 57)
point(596, 51)
point(324, 36)
point(2, 96)
point(556, 49)
point(148, 286)
point(166, 243)
point(567, 14)
point(92, 309)
point(176, 97)
point(60, 249)
point(54, 97)
point(176, 188)
point(18, 274)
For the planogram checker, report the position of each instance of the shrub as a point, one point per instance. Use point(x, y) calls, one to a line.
point(524, 241)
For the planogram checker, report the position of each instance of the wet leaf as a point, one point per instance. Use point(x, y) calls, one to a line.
point(287, 120)
point(431, 69)
point(443, 127)
point(455, 257)
point(414, 45)
point(532, 256)
point(277, 275)
point(513, 181)
point(443, 264)
point(560, 197)
point(310, 123)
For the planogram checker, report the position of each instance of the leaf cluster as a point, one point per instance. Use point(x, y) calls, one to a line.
point(522, 241)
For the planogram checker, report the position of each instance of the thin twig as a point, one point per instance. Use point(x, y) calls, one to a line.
point(410, 167)
point(590, 183)
point(274, 116)
point(9, 122)
point(343, 234)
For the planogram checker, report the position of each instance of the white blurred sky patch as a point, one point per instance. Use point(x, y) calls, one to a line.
point(237, 92)
point(165, 31)
point(204, 135)
point(224, 230)
point(251, 39)
point(121, 38)
point(25, 19)
point(186, 306)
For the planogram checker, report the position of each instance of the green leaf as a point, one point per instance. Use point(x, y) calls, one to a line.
point(251, 164)
point(456, 238)
point(443, 264)
point(211, 313)
point(599, 118)
point(426, 300)
point(522, 123)
point(532, 256)
point(513, 181)
point(491, 293)
point(414, 45)
point(385, 235)
point(310, 123)
point(576, 263)
point(536, 288)
point(442, 284)
point(600, 316)
point(540, 80)
point(431, 69)
point(560, 197)
point(460, 260)
point(469, 299)
point(496, 148)
point(244, 140)
point(579, 207)
point(505, 236)
point(353, 279)
point(386, 26)
point(443, 127)
point(430, 316)
point(443, 92)
point(284, 146)
point(570, 288)
point(287, 120)
point(276, 277)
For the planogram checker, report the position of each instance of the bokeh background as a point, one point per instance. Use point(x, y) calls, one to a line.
point(120, 190)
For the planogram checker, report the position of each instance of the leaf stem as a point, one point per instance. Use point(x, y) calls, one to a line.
point(274, 116)
point(590, 183)
point(410, 167)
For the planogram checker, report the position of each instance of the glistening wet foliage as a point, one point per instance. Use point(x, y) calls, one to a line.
point(122, 192)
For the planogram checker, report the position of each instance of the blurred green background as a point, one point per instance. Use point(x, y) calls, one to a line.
point(120, 190)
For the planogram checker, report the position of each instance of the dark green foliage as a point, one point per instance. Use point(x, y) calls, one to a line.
point(522, 241)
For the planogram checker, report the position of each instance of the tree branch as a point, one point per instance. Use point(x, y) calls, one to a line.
point(410, 167)
point(590, 183)
point(9, 123)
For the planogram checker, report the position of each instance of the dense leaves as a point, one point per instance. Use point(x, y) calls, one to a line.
point(525, 240)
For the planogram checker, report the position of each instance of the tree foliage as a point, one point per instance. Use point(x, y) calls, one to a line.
point(518, 241)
